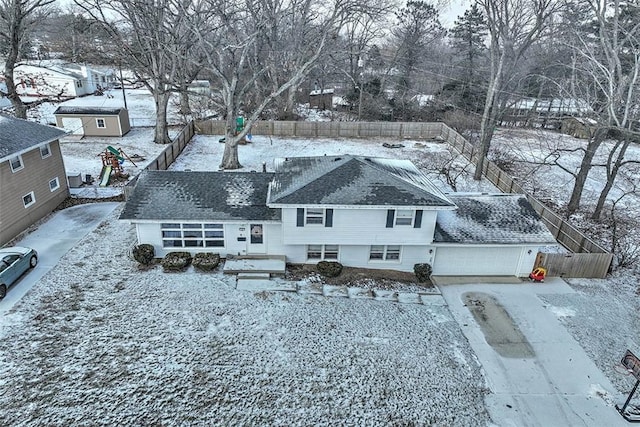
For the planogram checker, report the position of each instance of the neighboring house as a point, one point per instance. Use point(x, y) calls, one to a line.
point(93, 121)
point(32, 175)
point(200, 87)
point(363, 212)
point(552, 107)
point(321, 99)
point(60, 80)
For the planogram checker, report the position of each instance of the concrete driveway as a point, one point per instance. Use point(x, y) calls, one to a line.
point(53, 239)
point(537, 373)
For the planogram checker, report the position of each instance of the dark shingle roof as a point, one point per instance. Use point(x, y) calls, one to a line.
point(18, 136)
point(497, 218)
point(200, 196)
point(96, 111)
point(353, 180)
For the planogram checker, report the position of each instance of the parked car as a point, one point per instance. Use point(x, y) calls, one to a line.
point(14, 262)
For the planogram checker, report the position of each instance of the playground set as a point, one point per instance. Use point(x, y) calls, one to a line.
point(112, 160)
point(240, 124)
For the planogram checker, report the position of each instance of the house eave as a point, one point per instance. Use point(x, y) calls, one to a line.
point(359, 207)
point(31, 148)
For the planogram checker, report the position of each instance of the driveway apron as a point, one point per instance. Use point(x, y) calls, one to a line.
point(537, 372)
point(53, 238)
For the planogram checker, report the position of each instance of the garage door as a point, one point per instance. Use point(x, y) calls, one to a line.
point(487, 261)
point(73, 125)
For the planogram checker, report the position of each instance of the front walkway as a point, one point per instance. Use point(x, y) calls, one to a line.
point(557, 384)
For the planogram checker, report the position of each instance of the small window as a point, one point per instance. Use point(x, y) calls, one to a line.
point(376, 252)
point(45, 151)
point(384, 253)
point(320, 252)
point(331, 252)
point(54, 184)
point(315, 216)
point(101, 124)
point(256, 234)
point(392, 253)
point(404, 217)
point(28, 199)
point(16, 163)
point(314, 252)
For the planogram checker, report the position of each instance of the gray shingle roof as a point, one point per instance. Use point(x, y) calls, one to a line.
point(353, 180)
point(498, 218)
point(105, 111)
point(200, 196)
point(18, 136)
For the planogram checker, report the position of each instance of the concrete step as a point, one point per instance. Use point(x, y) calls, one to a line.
point(254, 276)
point(264, 285)
point(253, 265)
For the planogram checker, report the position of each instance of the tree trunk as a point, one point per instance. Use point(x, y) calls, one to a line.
point(230, 156)
point(583, 172)
point(161, 135)
point(290, 103)
point(612, 173)
point(488, 123)
point(185, 107)
point(20, 110)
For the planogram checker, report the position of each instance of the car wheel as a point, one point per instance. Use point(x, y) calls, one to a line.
point(33, 261)
point(3, 291)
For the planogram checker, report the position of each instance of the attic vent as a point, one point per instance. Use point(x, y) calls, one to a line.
point(337, 159)
point(367, 159)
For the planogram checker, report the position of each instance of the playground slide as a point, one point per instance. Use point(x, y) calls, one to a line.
point(105, 176)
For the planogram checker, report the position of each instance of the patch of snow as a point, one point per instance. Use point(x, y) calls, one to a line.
point(562, 311)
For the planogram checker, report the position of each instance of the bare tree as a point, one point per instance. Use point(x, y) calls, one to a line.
point(230, 58)
point(608, 65)
point(514, 25)
point(153, 38)
point(625, 247)
point(17, 19)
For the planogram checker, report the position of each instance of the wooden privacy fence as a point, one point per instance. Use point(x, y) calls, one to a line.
point(171, 152)
point(167, 156)
point(332, 129)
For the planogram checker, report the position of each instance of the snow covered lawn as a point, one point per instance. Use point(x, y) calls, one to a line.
point(99, 342)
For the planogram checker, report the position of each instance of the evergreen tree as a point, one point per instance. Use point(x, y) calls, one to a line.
point(418, 27)
point(468, 39)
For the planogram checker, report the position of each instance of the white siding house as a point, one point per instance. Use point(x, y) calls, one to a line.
point(60, 80)
point(361, 212)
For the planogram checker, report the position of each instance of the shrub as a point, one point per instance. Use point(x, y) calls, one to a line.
point(176, 261)
point(329, 268)
point(206, 261)
point(144, 253)
point(423, 272)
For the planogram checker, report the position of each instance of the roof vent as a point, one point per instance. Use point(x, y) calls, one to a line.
point(337, 159)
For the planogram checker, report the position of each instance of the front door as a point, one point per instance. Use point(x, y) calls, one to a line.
point(256, 243)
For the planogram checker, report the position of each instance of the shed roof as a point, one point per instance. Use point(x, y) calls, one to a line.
point(94, 111)
point(491, 218)
point(353, 180)
point(18, 136)
point(200, 196)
